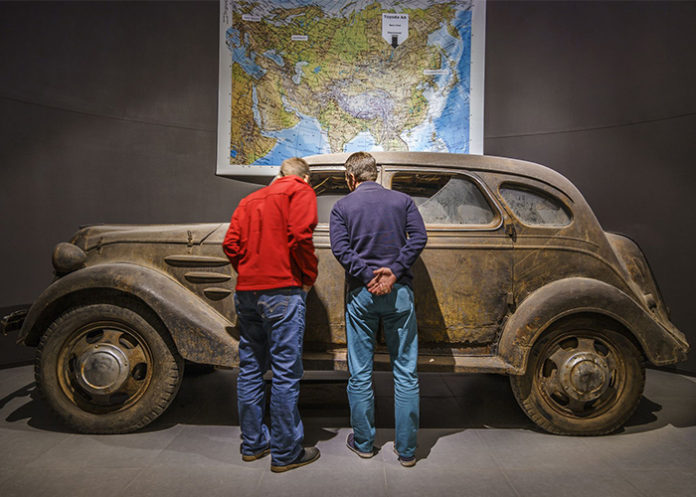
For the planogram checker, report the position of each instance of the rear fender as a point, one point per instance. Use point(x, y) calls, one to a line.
point(661, 344)
point(200, 333)
point(638, 269)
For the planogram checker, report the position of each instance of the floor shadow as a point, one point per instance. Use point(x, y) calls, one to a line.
point(646, 415)
point(35, 411)
point(450, 403)
point(431, 323)
point(25, 391)
point(318, 325)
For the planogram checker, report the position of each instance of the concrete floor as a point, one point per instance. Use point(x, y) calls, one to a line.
point(474, 441)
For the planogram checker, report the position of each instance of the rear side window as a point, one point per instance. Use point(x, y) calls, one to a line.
point(535, 208)
point(445, 199)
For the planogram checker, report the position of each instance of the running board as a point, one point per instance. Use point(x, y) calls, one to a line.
point(426, 363)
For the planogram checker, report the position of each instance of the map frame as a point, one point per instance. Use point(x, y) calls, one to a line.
point(225, 117)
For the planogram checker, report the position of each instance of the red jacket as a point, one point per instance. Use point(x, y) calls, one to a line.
point(269, 241)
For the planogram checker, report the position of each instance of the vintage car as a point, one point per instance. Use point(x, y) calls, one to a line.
point(517, 278)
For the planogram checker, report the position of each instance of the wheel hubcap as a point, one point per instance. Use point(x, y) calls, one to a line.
point(105, 366)
point(579, 375)
point(102, 369)
point(584, 376)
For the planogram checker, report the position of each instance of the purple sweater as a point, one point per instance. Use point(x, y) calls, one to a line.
point(369, 229)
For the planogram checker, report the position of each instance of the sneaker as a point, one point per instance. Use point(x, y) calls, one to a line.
point(309, 455)
point(350, 443)
point(255, 456)
point(406, 462)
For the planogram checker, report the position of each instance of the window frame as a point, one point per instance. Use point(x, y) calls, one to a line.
point(389, 171)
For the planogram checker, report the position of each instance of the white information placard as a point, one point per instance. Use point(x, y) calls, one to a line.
point(395, 28)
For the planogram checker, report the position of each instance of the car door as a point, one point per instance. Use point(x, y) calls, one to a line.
point(463, 279)
point(548, 244)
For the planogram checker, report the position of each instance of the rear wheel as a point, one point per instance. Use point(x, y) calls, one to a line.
point(106, 369)
point(582, 379)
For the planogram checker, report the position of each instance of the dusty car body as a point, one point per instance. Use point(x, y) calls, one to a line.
point(517, 278)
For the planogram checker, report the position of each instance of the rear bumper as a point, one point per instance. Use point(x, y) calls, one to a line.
point(13, 321)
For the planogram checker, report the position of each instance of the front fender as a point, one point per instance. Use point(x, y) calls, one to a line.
point(662, 343)
point(200, 333)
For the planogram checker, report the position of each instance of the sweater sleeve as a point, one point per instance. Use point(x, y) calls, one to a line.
point(302, 219)
point(417, 238)
point(231, 245)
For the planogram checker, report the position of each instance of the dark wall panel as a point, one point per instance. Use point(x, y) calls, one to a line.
point(109, 116)
point(109, 113)
point(605, 93)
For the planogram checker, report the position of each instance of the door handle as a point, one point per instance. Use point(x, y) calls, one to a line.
point(511, 231)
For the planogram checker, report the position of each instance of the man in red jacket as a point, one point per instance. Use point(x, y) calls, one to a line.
point(269, 243)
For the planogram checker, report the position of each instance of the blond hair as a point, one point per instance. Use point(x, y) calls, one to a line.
point(294, 166)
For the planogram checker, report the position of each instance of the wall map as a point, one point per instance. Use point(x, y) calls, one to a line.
point(305, 77)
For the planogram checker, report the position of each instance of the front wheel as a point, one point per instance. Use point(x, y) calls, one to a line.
point(581, 379)
point(105, 369)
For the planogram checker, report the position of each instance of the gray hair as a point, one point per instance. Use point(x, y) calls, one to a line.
point(294, 166)
point(362, 166)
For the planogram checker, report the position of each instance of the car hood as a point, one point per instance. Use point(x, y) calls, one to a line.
point(93, 236)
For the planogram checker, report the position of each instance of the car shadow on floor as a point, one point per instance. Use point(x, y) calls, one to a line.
point(450, 403)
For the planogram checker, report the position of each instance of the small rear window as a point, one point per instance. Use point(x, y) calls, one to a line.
point(534, 207)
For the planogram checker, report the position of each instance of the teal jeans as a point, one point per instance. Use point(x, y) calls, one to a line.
point(363, 314)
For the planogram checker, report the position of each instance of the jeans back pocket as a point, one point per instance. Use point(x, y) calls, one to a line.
point(274, 306)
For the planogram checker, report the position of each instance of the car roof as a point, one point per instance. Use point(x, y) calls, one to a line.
point(468, 162)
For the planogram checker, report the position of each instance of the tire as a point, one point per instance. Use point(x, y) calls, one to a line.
point(582, 379)
point(106, 369)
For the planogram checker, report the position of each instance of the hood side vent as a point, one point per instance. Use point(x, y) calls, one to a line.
point(195, 261)
point(217, 293)
point(204, 277)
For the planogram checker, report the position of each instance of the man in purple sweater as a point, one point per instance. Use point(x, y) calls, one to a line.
point(377, 235)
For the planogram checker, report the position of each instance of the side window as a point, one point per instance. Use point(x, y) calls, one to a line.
point(533, 207)
point(444, 198)
point(329, 187)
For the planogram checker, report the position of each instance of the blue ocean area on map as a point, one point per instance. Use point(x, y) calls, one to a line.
point(448, 130)
point(239, 55)
point(305, 138)
point(362, 141)
point(450, 126)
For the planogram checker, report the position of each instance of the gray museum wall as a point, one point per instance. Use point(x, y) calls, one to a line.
point(109, 113)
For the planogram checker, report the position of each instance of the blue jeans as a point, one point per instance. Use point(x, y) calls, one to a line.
point(271, 324)
point(363, 312)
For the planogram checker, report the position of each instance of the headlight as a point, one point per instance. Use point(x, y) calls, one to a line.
point(67, 258)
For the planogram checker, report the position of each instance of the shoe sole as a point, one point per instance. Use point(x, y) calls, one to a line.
point(254, 457)
point(288, 467)
point(405, 464)
point(364, 455)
